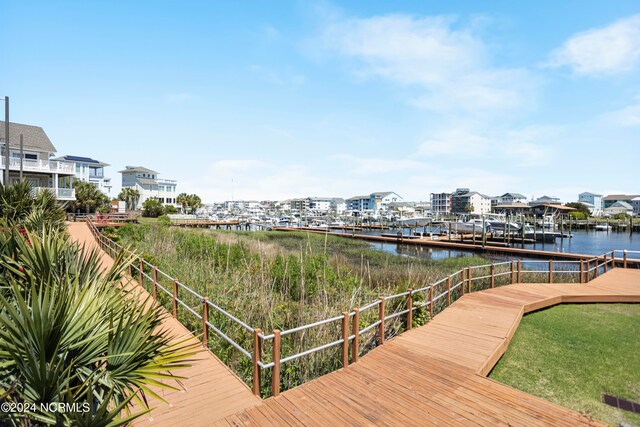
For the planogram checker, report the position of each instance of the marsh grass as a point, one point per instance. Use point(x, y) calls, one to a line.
point(281, 280)
point(276, 280)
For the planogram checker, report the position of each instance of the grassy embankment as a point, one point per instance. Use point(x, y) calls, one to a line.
point(571, 354)
point(275, 280)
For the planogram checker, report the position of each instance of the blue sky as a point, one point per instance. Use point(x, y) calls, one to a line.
point(277, 99)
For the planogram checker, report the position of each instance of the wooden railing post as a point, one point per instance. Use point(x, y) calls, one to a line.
point(613, 259)
point(624, 259)
point(345, 339)
point(275, 377)
point(464, 281)
point(175, 298)
point(513, 273)
point(448, 291)
point(469, 279)
point(595, 274)
point(431, 302)
point(410, 308)
point(205, 320)
point(355, 344)
point(257, 357)
point(519, 271)
point(493, 276)
point(130, 275)
point(581, 271)
point(155, 283)
point(604, 264)
point(381, 319)
point(140, 272)
point(550, 271)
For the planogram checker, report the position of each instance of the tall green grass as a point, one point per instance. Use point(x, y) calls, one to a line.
point(280, 280)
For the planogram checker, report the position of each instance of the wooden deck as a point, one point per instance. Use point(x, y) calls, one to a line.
point(211, 391)
point(435, 374)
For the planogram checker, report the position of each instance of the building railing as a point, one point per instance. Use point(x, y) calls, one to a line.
point(30, 165)
point(385, 317)
point(60, 193)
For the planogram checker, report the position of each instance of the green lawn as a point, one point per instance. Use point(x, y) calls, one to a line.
point(571, 354)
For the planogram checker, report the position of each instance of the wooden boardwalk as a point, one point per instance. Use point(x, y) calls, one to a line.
point(211, 391)
point(435, 374)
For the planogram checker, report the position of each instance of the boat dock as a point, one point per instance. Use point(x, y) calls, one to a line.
point(464, 245)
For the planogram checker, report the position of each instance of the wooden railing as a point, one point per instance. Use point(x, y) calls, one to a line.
point(375, 317)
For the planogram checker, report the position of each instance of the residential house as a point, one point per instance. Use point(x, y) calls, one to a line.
point(441, 203)
point(593, 201)
point(545, 200)
point(508, 199)
point(149, 186)
point(374, 202)
point(635, 203)
point(90, 170)
point(36, 162)
point(608, 201)
point(465, 201)
point(619, 208)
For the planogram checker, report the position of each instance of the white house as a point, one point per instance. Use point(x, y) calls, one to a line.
point(37, 166)
point(508, 199)
point(149, 186)
point(619, 208)
point(90, 170)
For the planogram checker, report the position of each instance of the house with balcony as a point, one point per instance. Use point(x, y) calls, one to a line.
point(90, 170)
point(35, 161)
point(593, 201)
point(441, 203)
point(464, 201)
point(149, 185)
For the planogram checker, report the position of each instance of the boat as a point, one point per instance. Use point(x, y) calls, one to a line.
point(602, 227)
point(421, 221)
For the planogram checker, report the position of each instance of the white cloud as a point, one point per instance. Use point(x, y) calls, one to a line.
point(527, 147)
point(281, 77)
point(601, 51)
point(370, 165)
point(626, 117)
point(451, 66)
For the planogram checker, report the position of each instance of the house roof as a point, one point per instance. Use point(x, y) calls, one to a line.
point(586, 193)
point(34, 137)
point(514, 195)
point(514, 205)
point(137, 169)
point(624, 205)
point(620, 196)
point(471, 193)
point(147, 181)
point(79, 159)
point(553, 206)
point(359, 198)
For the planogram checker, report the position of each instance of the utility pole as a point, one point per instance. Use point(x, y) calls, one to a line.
point(21, 155)
point(6, 141)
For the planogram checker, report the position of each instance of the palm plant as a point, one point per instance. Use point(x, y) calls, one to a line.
point(70, 334)
point(20, 205)
point(88, 197)
point(183, 201)
point(130, 196)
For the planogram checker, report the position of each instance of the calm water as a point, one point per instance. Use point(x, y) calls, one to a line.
point(582, 242)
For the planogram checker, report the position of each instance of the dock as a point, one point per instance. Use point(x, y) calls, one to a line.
point(464, 246)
